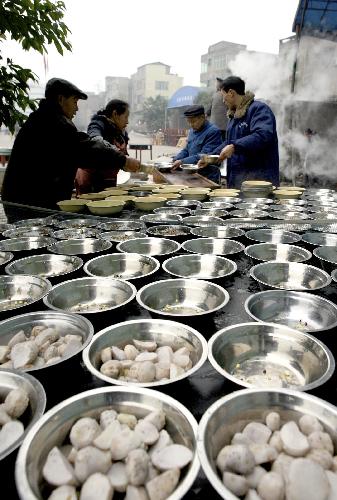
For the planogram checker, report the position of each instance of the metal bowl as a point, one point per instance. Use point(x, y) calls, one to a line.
point(293, 215)
point(320, 239)
point(4, 226)
point(149, 246)
point(27, 231)
point(118, 236)
point(254, 213)
point(323, 208)
point(90, 295)
point(140, 194)
point(290, 276)
point(269, 355)
point(166, 231)
point(326, 254)
point(48, 265)
point(252, 206)
point(11, 379)
point(202, 221)
point(122, 225)
point(277, 251)
point(273, 236)
point(25, 244)
point(231, 413)
point(217, 204)
point(75, 233)
point(77, 223)
point(199, 266)
point(32, 222)
point(21, 290)
point(126, 266)
point(52, 429)
point(321, 203)
point(302, 311)
point(225, 199)
point(152, 219)
point(301, 227)
point(191, 169)
point(217, 246)
point(80, 246)
point(245, 223)
point(288, 208)
point(292, 202)
point(162, 331)
point(183, 203)
point(217, 232)
point(172, 210)
point(182, 297)
point(5, 257)
point(64, 323)
point(334, 275)
point(216, 212)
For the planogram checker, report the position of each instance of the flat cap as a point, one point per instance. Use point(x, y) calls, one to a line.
point(58, 86)
point(195, 110)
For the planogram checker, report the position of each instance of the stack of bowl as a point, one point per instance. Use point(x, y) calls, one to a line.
point(256, 189)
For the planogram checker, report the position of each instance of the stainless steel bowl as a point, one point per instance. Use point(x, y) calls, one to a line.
point(48, 265)
point(254, 213)
point(334, 275)
point(162, 331)
point(273, 236)
point(4, 226)
point(25, 244)
point(64, 323)
point(326, 254)
point(75, 233)
point(320, 239)
point(217, 204)
point(252, 206)
point(126, 266)
point(167, 231)
point(292, 202)
point(118, 236)
point(27, 231)
point(149, 246)
point(226, 199)
point(260, 201)
point(77, 223)
point(290, 276)
point(183, 203)
point(199, 266)
point(182, 297)
point(217, 246)
point(52, 429)
point(269, 355)
point(191, 169)
point(292, 227)
point(277, 251)
point(217, 232)
point(11, 379)
point(202, 221)
point(293, 215)
point(302, 311)
point(122, 225)
point(321, 203)
point(245, 223)
point(214, 212)
point(172, 210)
point(152, 219)
point(323, 209)
point(21, 290)
point(5, 257)
point(288, 208)
point(80, 246)
point(32, 222)
point(90, 295)
point(231, 413)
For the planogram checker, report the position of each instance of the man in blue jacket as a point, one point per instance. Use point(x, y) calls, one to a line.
point(251, 146)
point(202, 139)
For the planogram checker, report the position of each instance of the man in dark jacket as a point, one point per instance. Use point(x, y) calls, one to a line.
point(251, 146)
point(56, 148)
point(203, 137)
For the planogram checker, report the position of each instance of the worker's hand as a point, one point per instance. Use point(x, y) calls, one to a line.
point(227, 152)
point(100, 139)
point(176, 164)
point(131, 165)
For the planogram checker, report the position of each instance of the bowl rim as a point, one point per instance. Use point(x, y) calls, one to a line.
point(41, 279)
point(54, 308)
point(51, 248)
point(20, 475)
point(57, 256)
point(316, 252)
point(301, 250)
point(281, 328)
point(319, 235)
point(297, 293)
point(170, 324)
point(176, 244)
point(54, 313)
point(131, 256)
point(152, 230)
point(211, 475)
point(239, 232)
point(176, 280)
point(41, 401)
point(324, 273)
point(241, 246)
point(334, 275)
point(190, 255)
point(8, 257)
point(282, 232)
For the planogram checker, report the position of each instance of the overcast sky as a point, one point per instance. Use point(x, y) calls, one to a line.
point(113, 38)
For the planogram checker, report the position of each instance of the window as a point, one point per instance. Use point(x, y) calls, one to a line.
point(161, 85)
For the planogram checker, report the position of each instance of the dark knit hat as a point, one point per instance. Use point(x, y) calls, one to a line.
point(58, 86)
point(195, 110)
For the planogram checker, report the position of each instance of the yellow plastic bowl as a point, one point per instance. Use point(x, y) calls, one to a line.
point(72, 205)
point(93, 196)
point(287, 195)
point(105, 207)
point(149, 203)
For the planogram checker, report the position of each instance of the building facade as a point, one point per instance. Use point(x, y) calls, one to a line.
point(117, 87)
point(215, 63)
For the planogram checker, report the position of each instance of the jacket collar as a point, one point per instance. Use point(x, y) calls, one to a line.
point(241, 110)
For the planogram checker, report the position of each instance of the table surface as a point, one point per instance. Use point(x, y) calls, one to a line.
point(204, 387)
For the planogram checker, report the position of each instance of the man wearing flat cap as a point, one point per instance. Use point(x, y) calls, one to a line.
point(203, 138)
point(48, 150)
